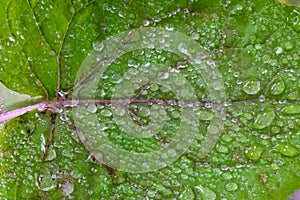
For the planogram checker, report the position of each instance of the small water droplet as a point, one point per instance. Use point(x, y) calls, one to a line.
point(92, 108)
point(67, 153)
point(133, 63)
point(251, 87)
point(12, 38)
point(72, 9)
point(164, 75)
point(119, 111)
point(146, 22)
point(169, 28)
point(212, 129)
point(227, 175)
point(279, 50)
point(105, 113)
point(205, 115)
point(231, 187)
point(67, 188)
point(288, 45)
point(222, 149)
point(98, 46)
point(275, 130)
point(180, 80)
point(144, 111)
point(183, 48)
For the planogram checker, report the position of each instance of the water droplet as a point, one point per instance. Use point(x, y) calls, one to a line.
point(292, 95)
point(67, 187)
point(183, 48)
point(254, 153)
point(277, 88)
point(164, 75)
point(275, 130)
point(146, 22)
point(231, 187)
point(144, 111)
point(119, 111)
point(92, 108)
point(98, 46)
point(291, 3)
point(51, 154)
point(45, 182)
point(195, 36)
point(206, 193)
point(279, 50)
point(291, 109)
point(288, 45)
point(251, 87)
point(72, 10)
point(68, 153)
point(222, 149)
point(212, 129)
point(105, 113)
point(205, 115)
point(187, 194)
point(180, 80)
point(169, 28)
point(133, 63)
point(227, 175)
point(264, 119)
point(287, 150)
point(12, 38)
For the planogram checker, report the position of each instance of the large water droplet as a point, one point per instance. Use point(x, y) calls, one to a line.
point(287, 150)
point(51, 154)
point(277, 88)
point(291, 109)
point(44, 181)
point(264, 119)
point(206, 193)
point(254, 153)
point(251, 87)
point(187, 194)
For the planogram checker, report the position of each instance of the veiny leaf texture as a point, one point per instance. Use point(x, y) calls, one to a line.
point(49, 49)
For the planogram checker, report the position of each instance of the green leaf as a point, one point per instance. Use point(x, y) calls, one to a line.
point(11, 100)
point(48, 48)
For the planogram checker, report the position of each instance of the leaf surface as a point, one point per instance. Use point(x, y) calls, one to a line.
point(255, 46)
